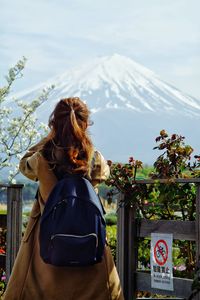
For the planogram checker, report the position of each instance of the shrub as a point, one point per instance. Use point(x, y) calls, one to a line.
point(111, 219)
point(112, 239)
point(169, 201)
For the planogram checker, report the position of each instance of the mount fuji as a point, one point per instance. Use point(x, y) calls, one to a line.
point(129, 103)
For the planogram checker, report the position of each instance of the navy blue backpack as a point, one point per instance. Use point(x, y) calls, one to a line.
point(72, 228)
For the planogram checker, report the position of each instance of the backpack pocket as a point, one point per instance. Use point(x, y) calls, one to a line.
point(73, 250)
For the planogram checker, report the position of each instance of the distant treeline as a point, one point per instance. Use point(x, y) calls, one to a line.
point(30, 188)
point(29, 192)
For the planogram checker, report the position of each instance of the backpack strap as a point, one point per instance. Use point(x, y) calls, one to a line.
point(95, 200)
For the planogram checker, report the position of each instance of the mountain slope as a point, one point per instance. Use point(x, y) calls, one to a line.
point(130, 105)
point(119, 82)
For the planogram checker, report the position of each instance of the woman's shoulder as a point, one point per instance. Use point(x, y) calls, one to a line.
point(28, 165)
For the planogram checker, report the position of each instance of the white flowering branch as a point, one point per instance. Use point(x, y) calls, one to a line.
point(19, 128)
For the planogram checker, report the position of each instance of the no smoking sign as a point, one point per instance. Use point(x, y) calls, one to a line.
point(161, 252)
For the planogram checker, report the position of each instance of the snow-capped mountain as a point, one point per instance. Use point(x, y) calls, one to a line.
point(121, 83)
point(130, 105)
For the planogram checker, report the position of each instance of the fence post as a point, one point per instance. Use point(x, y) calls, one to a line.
point(14, 225)
point(126, 249)
point(121, 240)
point(132, 247)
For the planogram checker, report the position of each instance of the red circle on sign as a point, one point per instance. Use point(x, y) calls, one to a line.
point(161, 252)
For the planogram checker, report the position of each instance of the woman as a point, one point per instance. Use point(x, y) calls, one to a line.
point(66, 150)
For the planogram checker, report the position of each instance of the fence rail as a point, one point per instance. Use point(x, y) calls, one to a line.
point(130, 229)
point(13, 221)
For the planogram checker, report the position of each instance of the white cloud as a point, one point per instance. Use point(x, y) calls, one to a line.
point(57, 34)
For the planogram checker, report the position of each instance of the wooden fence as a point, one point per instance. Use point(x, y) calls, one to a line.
point(130, 229)
point(13, 222)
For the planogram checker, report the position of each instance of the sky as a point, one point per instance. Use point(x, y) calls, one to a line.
point(163, 35)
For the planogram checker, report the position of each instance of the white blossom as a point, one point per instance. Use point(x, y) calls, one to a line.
point(18, 131)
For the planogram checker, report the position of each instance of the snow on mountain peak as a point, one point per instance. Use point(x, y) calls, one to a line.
point(115, 69)
point(119, 82)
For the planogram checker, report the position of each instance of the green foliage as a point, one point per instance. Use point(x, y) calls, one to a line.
point(175, 157)
point(123, 176)
point(143, 173)
point(3, 211)
point(195, 284)
point(144, 253)
point(2, 282)
point(168, 201)
point(112, 239)
point(111, 219)
point(2, 252)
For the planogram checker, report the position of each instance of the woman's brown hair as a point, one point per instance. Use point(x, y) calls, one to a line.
point(68, 148)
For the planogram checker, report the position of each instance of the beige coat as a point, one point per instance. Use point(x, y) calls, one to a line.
point(31, 278)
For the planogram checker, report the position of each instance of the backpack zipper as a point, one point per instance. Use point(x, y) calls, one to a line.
point(56, 206)
point(76, 236)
